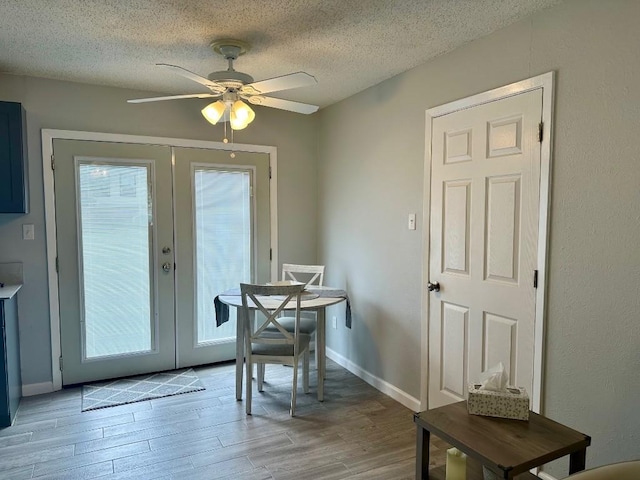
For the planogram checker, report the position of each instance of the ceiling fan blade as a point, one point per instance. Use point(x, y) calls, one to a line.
point(285, 82)
point(216, 87)
point(283, 104)
point(173, 97)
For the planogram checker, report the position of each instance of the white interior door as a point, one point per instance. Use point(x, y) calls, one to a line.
point(483, 244)
point(147, 235)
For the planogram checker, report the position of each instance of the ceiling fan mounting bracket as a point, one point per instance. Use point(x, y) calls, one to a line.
point(230, 49)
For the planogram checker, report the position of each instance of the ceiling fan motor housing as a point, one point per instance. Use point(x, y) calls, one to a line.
point(230, 78)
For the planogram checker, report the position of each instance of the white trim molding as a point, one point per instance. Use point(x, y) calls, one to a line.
point(392, 391)
point(544, 82)
point(37, 389)
point(48, 136)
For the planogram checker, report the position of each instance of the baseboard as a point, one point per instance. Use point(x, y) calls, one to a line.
point(37, 389)
point(394, 392)
point(546, 476)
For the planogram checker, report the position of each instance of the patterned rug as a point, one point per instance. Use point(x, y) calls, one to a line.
point(139, 388)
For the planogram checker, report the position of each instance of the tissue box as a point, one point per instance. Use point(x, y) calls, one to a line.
point(512, 403)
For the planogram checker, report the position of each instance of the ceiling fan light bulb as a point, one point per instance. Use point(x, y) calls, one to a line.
point(214, 111)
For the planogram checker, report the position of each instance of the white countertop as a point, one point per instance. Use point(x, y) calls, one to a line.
point(8, 291)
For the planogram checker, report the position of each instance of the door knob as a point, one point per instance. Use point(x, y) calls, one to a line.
point(166, 250)
point(166, 266)
point(433, 287)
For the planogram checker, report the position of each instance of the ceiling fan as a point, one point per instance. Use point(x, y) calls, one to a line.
point(232, 87)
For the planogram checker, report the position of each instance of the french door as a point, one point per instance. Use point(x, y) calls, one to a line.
point(147, 235)
point(222, 238)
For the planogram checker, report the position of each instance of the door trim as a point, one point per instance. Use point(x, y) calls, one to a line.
point(545, 82)
point(49, 135)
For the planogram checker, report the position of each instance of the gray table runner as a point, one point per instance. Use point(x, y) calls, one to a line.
point(222, 309)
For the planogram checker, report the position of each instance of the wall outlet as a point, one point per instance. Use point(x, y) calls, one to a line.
point(334, 322)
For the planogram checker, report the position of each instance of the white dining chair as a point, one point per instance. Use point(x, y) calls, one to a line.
point(310, 275)
point(267, 341)
point(307, 274)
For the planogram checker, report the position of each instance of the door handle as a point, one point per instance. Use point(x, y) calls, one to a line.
point(166, 266)
point(433, 287)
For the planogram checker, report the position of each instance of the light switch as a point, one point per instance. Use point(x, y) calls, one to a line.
point(412, 221)
point(28, 232)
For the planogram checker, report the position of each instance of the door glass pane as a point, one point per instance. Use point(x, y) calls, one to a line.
point(115, 237)
point(222, 210)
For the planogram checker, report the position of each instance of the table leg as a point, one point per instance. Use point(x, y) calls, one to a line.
point(422, 453)
point(320, 345)
point(577, 461)
point(239, 352)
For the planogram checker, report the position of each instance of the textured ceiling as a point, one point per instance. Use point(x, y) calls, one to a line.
point(348, 45)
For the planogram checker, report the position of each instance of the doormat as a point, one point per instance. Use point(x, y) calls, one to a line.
point(139, 388)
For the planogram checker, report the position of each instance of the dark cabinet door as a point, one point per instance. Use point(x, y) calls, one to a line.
point(5, 410)
point(10, 378)
point(13, 168)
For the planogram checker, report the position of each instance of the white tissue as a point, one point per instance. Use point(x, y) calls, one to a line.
point(495, 379)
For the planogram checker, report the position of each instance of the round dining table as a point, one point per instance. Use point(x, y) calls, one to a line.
point(308, 302)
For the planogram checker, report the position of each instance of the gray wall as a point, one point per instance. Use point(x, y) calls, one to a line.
point(371, 176)
point(72, 106)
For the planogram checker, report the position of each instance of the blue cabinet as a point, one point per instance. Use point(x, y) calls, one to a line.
point(13, 165)
point(10, 378)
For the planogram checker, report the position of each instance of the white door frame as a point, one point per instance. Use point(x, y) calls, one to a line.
point(49, 135)
point(544, 82)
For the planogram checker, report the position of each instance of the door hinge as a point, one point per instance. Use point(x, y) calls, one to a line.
point(251, 191)
point(540, 131)
point(57, 265)
point(60, 359)
point(269, 173)
point(53, 162)
point(270, 254)
point(535, 279)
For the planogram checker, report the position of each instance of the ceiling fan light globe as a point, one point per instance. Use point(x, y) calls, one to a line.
point(214, 111)
point(236, 122)
point(243, 112)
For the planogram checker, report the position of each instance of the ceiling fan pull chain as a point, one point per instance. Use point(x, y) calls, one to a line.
point(233, 154)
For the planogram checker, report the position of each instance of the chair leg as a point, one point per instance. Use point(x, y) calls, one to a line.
point(294, 389)
point(315, 348)
point(249, 364)
point(260, 377)
point(305, 371)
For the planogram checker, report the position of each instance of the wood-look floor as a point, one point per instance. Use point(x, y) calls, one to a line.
point(356, 433)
